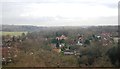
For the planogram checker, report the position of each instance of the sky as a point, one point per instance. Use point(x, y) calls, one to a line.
point(59, 12)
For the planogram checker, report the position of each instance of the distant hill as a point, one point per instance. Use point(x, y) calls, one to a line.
point(20, 28)
point(30, 28)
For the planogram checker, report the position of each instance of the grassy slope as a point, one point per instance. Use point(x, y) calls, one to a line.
point(12, 33)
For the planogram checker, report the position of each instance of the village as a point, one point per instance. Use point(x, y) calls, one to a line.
point(79, 46)
point(59, 44)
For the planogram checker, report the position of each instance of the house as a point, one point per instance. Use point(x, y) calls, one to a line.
point(116, 39)
point(60, 41)
point(61, 37)
point(99, 37)
point(106, 34)
point(68, 52)
point(79, 43)
point(6, 55)
point(61, 45)
point(80, 40)
point(77, 52)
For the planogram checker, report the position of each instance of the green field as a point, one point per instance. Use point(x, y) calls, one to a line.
point(12, 33)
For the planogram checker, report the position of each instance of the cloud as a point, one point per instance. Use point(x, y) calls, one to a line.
point(60, 12)
point(67, 10)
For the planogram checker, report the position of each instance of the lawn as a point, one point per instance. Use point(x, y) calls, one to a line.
point(12, 33)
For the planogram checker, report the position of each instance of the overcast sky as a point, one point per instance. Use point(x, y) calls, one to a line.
point(59, 12)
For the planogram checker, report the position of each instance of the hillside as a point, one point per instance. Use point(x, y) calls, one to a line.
point(19, 28)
